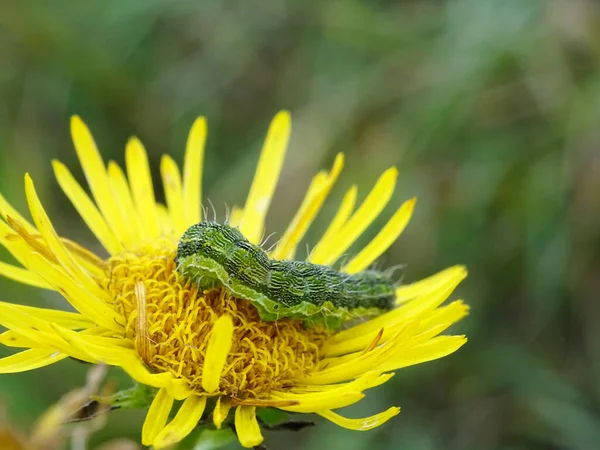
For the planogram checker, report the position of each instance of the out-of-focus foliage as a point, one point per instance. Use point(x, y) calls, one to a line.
point(490, 109)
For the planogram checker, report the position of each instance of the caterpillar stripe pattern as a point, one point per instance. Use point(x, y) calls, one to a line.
point(215, 255)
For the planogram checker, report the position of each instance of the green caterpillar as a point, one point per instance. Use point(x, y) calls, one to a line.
point(216, 255)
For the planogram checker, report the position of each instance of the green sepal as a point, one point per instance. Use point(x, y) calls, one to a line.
point(139, 396)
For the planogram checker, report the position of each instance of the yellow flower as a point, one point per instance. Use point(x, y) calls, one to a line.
point(136, 312)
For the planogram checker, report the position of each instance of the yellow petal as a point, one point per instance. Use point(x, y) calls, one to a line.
point(310, 207)
point(18, 248)
point(183, 423)
point(337, 397)
point(303, 389)
point(54, 243)
point(29, 360)
point(386, 237)
point(217, 350)
point(179, 388)
point(166, 225)
point(429, 300)
point(85, 257)
point(327, 252)
point(38, 331)
point(192, 172)
point(340, 218)
point(86, 208)
point(324, 401)
point(11, 338)
point(266, 177)
point(410, 291)
point(95, 173)
point(157, 416)
point(235, 217)
point(246, 426)
point(79, 297)
point(136, 369)
point(65, 319)
point(142, 190)
point(98, 343)
point(364, 424)
point(124, 201)
point(435, 348)
point(173, 192)
point(23, 276)
point(444, 317)
point(361, 383)
point(6, 210)
point(221, 411)
point(353, 365)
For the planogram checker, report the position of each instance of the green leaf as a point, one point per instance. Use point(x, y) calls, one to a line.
point(272, 416)
point(205, 439)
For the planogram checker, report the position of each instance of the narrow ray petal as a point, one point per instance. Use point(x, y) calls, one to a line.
point(333, 398)
point(79, 297)
point(102, 349)
point(310, 388)
point(86, 208)
point(38, 331)
point(435, 348)
point(184, 422)
point(123, 199)
point(192, 172)
point(340, 218)
point(165, 224)
point(142, 190)
point(113, 345)
point(13, 339)
point(235, 216)
point(29, 360)
point(173, 192)
point(246, 426)
point(327, 252)
point(323, 402)
point(157, 416)
point(95, 173)
point(445, 316)
point(218, 348)
point(431, 325)
point(386, 237)
point(85, 257)
point(221, 411)
point(351, 366)
point(65, 319)
point(364, 424)
point(179, 388)
point(54, 243)
point(310, 207)
point(6, 210)
point(23, 276)
point(410, 291)
point(266, 177)
point(136, 369)
point(426, 302)
point(13, 243)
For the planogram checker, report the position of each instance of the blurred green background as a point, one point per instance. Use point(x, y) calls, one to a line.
point(489, 108)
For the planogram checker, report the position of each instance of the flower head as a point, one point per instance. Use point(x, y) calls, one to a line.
point(201, 347)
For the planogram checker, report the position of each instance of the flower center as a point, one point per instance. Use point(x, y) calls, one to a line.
point(170, 322)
